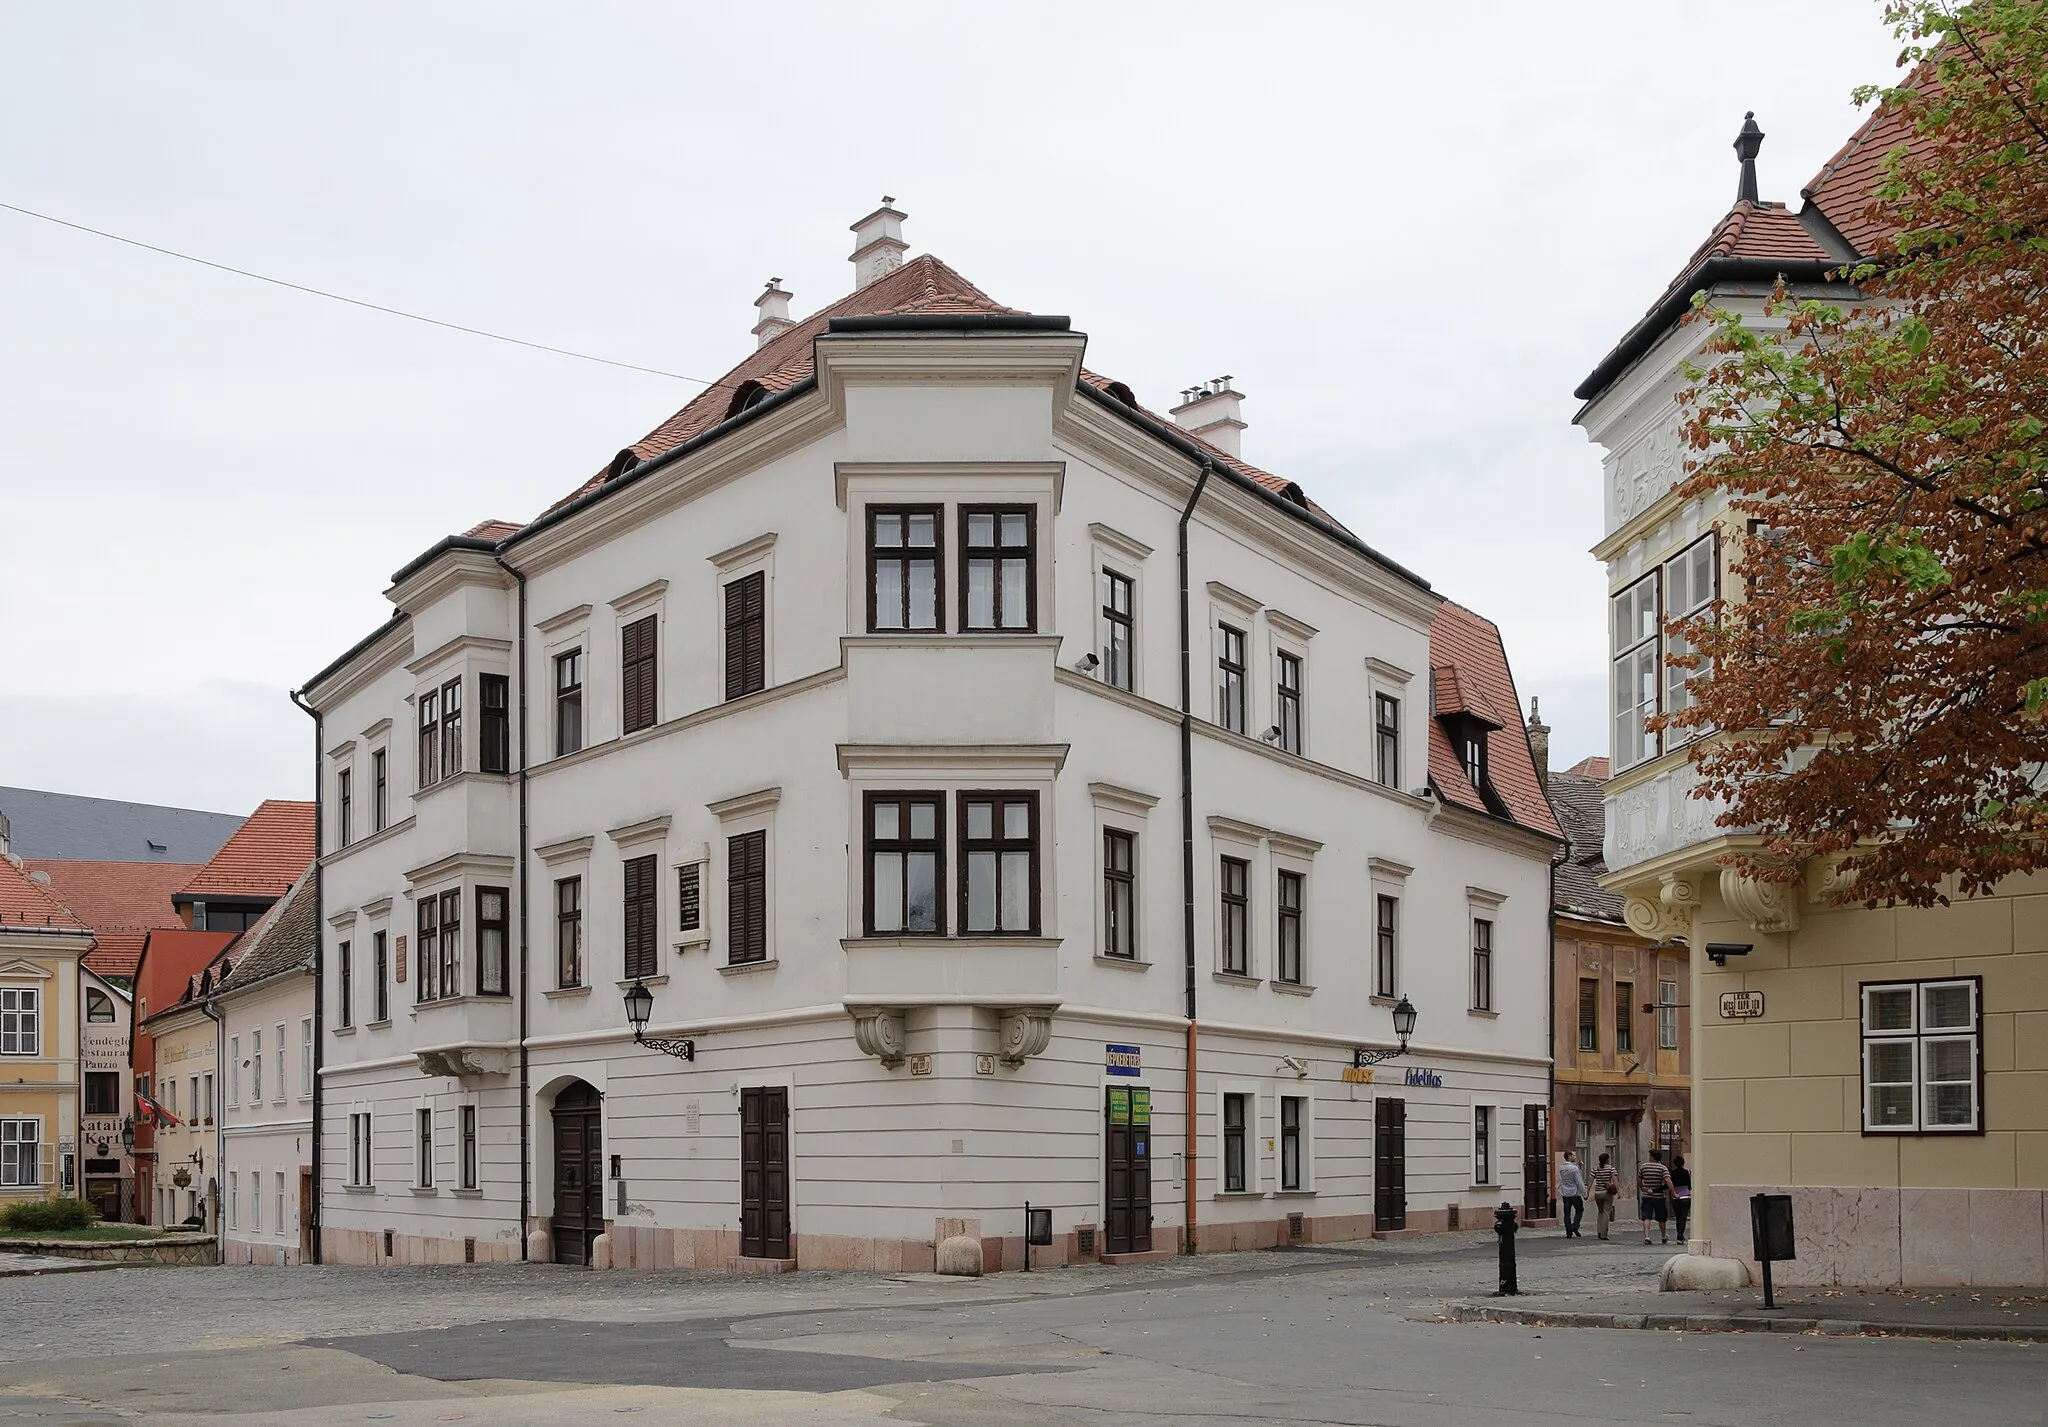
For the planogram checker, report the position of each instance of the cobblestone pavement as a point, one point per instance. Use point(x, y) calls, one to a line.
point(1310, 1338)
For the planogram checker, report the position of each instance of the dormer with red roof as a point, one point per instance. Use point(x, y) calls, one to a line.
point(252, 870)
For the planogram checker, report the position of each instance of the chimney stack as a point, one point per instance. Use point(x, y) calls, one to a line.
point(1210, 411)
point(773, 305)
point(1539, 745)
point(878, 245)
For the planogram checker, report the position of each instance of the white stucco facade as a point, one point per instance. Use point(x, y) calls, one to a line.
point(933, 1083)
point(266, 1134)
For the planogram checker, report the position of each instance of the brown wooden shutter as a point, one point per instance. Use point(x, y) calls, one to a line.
point(636, 674)
point(640, 958)
point(747, 897)
point(746, 635)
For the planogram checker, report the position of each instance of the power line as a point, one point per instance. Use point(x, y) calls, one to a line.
point(351, 301)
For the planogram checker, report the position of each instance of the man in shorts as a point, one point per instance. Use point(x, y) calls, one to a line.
point(1653, 1189)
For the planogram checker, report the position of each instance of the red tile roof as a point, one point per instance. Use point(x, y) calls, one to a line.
point(25, 902)
point(1471, 644)
point(169, 961)
point(1847, 183)
point(493, 529)
point(263, 858)
point(1594, 767)
point(121, 901)
point(1768, 232)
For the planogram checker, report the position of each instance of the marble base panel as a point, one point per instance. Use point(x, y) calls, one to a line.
point(365, 1247)
point(1894, 1237)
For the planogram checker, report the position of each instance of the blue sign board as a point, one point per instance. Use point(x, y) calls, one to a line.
point(1120, 1059)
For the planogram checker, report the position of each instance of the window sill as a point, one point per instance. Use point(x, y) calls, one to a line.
point(1239, 1194)
point(1482, 1013)
point(1234, 978)
point(424, 1189)
point(467, 1193)
point(1294, 1194)
point(344, 1030)
point(691, 943)
point(383, 1025)
point(358, 1189)
point(1293, 988)
point(566, 993)
point(940, 943)
point(382, 834)
point(747, 968)
point(1122, 963)
point(1489, 1188)
point(661, 980)
point(1380, 1000)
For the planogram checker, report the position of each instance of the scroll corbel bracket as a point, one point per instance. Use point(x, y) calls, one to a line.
point(878, 1031)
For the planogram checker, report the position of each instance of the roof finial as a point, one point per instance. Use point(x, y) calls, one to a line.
point(1747, 143)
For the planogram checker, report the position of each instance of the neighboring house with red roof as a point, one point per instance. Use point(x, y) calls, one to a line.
point(41, 948)
point(163, 976)
point(252, 870)
point(857, 755)
point(1875, 1063)
point(123, 902)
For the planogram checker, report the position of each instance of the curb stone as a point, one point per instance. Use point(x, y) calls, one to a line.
point(1695, 1323)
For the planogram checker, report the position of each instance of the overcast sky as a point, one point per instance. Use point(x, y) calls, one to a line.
point(1407, 231)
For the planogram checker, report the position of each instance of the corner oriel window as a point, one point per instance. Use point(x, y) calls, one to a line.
point(568, 702)
point(1386, 729)
point(1234, 885)
point(906, 864)
point(999, 564)
point(1119, 894)
point(1119, 629)
point(999, 864)
point(569, 933)
point(905, 564)
point(1635, 671)
point(746, 635)
point(451, 728)
point(429, 769)
point(493, 942)
point(494, 734)
point(1689, 587)
point(1230, 678)
point(636, 675)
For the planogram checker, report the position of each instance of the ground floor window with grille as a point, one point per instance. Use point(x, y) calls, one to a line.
point(359, 1148)
point(1922, 1056)
point(1236, 1111)
point(20, 1151)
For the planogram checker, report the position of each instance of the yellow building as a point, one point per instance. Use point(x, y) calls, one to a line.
point(1886, 1067)
point(41, 947)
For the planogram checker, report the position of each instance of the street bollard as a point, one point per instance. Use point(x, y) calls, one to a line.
point(1504, 1225)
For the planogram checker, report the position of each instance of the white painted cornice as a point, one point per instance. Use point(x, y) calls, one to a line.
point(567, 850)
point(633, 601)
point(460, 644)
point(1127, 800)
point(391, 648)
point(455, 864)
point(652, 829)
point(442, 576)
point(563, 619)
point(1032, 759)
point(950, 478)
point(746, 804)
point(1116, 540)
point(743, 553)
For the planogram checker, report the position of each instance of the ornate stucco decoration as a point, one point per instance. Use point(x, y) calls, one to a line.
point(1667, 913)
point(1026, 1031)
point(464, 1061)
point(1827, 882)
point(878, 1031)
point(1767, 906)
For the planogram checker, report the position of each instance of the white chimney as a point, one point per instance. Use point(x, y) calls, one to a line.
point(773, 305)
point(1210, 412)
point(878, 245)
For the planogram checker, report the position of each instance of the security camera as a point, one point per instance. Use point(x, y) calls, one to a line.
point(1087, 663)
point(1296, 1064)
point(1271, 735)
point(1718, 952)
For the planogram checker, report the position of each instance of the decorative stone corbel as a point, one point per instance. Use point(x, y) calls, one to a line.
point(878, 1031)
point(1766, 906)
point(1827, 881)
point(1669, 914)
point(464, 1061)
point(1026, 1031)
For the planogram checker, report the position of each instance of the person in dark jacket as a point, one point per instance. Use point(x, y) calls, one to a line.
point(1653, 1190)
point(1681, 1196)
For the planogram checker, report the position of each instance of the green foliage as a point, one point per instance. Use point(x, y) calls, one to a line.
point(62, 1212)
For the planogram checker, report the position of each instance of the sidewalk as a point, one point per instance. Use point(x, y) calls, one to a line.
point(27, 1265)
point(2005, 1314)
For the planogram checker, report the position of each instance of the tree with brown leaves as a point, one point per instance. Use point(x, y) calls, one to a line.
point(1879, 673)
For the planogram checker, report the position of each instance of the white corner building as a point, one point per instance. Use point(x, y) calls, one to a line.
point(993, 793)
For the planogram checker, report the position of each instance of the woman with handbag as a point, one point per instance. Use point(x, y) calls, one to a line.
point(1605, 1182)
point(1681, 1196)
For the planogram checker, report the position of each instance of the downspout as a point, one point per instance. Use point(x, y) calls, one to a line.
point(311, 1212)
point(1187, 845)
point(1550, 999)
point(525, 1055)
point(213, 1112)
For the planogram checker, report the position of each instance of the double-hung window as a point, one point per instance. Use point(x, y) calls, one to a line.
point(1119, 629)
point(359, 1148)
point(494, 733)
point(1624, 1016)
point(493, 942)
point(1386, 732)
point(1667, 1015)
point(305, 1059)
point(1688, 589)
point(380, 973)
point(1386, 946)
point(905, 568)
point(255, 1075)
point(1922, 1056)
point(1230, 645)
point(380, 790)
point(451, 728)
point(999, 864)
point(20, 1026)
point(1482, 964)
point(1482, 1144)
point(1234, 915)
point(234, 1070)
point(746, 897)
point(466, 1172)
point(429, 769)
point(345, 987)
point(1635, 671)
point(636, 675)
point(1293, 1111)
point(746, 635)
point(1236, 1169)
point(642, 928)
point(1589, 1015)
point(342, 806)
point(1120, 894)
point(906, 864)
point(568, 702)
point(1287, 700)
point(569, 933)
point(423, 1132)
point(449, 977)
point(999, 564)
point(277, 1180)
point(277, 1094)
point(1288, 896)
point(234, 1200)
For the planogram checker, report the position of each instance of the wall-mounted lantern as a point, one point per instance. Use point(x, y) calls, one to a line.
point(1404, 1027)
point(639, 1007)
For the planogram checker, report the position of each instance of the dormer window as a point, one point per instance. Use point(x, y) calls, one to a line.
point(1475, 758)
point(1466, 714)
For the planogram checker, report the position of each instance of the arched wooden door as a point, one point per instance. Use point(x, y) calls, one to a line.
point(579, 1173)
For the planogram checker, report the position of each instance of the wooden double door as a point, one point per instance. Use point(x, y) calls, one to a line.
point(1389, 1165)
point(579, 1173)
point(1127, 1170)
point(764, 1172)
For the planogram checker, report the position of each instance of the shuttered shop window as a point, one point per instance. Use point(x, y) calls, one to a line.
point(746, 635)
point(636, 674)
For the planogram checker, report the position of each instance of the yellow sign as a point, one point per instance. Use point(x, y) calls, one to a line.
point(1358, 1075)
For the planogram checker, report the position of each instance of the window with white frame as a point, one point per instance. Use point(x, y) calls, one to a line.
point(359, 1148)
point(255, 1074)
point(1922, 1056)
point(423, 1153)
point(1688, 588)
point(1293, 1142)
point(1237, 1130)
point(306, 1058)
point(1635, 652)
point(234, 1070)
point(1482, 1144)
point(278, 1093)
point(234, 1200)
point(255, 1201)
point(20, 1026)
point(278, 1179)
point(20, 1151)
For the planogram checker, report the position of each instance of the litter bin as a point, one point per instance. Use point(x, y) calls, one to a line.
point(1770, 1234)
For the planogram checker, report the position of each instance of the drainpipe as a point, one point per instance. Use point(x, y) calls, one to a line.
point(525, 1056)
point(311, 1212)
point(211, 1010)
point(1187, 844)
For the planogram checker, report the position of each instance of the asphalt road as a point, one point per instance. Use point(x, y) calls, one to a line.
point(1319, 1338)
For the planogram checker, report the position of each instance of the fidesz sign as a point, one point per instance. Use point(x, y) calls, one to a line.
point(1120, 1059)
point(1419, 1075)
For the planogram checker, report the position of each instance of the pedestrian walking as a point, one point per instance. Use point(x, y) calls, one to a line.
point(1653, 1191)
point(1571, 1189)
point(1605, 1183)
point(1681, 1196)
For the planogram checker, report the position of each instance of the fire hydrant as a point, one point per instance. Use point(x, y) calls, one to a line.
point(1504, 1225)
